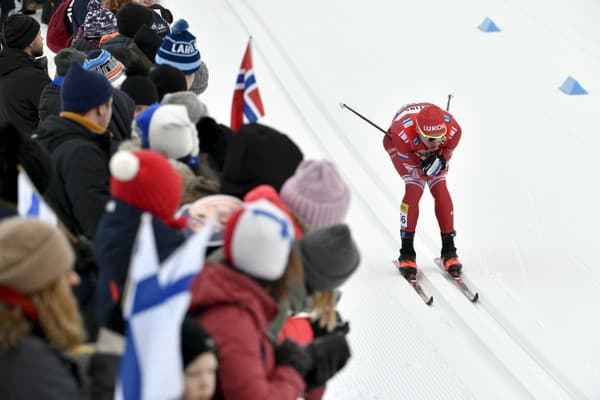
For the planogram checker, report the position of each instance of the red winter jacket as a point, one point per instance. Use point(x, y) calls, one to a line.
point(236, 311)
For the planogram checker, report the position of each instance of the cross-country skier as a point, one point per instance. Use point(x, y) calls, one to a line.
point(420, 142)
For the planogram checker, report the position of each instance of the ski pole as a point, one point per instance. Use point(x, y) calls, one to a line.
point(343, 105)
point(450, 96)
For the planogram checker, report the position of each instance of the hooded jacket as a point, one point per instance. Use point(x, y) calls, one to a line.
point(236, 312)
point(22, 80)
point(79, 187)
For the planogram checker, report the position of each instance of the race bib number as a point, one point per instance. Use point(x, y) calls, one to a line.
point(404, 215)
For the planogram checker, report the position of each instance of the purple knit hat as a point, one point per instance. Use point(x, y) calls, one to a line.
point(99, 21)
point(317, 194)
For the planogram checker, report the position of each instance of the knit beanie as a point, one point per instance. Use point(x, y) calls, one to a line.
point(131, 18)
point(83, 90)
point(99, 21)
point(257, 155)
point(103, 62)
point(317, 193)
point(196, 109)
point(168, 79)
point(200, 82)
point(258, 239)
point(168, 130)
point(195, 341)
point(65, 57)
point(147, 41)
point(268, 193)
point(141, 89)
point(179, 49)
point(33, 254)
point(20, 30)
point(329, 256)
point(146, 180)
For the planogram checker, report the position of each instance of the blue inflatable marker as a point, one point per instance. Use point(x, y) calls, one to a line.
point(488, 26)
point(571, 86)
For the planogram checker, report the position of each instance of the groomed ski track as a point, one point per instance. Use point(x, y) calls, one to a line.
point(498, 348)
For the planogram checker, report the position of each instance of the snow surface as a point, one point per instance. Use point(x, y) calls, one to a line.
point(522, 179)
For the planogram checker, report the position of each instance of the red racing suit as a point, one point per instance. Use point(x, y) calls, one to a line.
point(407, 150)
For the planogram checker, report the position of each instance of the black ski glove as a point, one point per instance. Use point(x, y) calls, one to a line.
point(341, 326)
point(433, 165)
point(292, 354)
point(330, 354)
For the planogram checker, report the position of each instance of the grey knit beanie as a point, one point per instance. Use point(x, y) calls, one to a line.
point(196, 108)
point(329, 256)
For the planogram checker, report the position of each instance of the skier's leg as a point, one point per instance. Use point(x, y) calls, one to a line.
point(444, 212)
point(409, 215)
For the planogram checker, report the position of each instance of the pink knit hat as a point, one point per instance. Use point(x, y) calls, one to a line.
point(317, 193)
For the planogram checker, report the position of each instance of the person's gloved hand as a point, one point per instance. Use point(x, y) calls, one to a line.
point(292, 354)
point(341, 326)
point(85, 261)
point(433, 165)
point(330, 354)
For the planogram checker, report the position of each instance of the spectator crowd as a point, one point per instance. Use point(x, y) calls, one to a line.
point(121, 131)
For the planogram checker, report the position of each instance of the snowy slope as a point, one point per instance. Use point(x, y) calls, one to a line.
point(522, 178)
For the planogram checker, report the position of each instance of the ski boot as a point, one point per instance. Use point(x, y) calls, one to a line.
point(449, 257)
point(407, 267)
point(407, 261)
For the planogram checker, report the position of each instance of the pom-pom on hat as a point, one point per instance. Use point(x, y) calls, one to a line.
point(431, 122)
point(83, 90)
point(146, 180)
point(104, 63)
point(179, 49)
point(317, 193)
point(329, 256)
point(33, 254)
point(99, 21)
point(20, 30)
point(258, 239)
point(167, 129)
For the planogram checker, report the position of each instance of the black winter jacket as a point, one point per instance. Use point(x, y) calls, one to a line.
point(79, 188)
point(22, 80)
point(123, 108)
point(33, 370)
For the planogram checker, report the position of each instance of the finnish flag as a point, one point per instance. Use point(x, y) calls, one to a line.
point(155, 304)
point(31, 204)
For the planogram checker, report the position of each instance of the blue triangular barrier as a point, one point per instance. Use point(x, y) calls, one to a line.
point(571, 86)
point(488, 26)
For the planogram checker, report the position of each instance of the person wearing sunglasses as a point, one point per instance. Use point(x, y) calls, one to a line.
point(420, 143)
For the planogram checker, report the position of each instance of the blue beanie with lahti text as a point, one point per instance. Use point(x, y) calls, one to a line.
point(179, 49)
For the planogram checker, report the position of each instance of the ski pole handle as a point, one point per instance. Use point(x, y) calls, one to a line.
point(343, 105)
point(450, 96)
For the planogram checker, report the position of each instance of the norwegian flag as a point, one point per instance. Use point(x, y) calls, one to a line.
point(246, 106)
